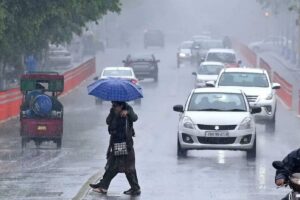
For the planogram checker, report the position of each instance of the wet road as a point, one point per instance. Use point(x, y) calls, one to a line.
point(50, 174)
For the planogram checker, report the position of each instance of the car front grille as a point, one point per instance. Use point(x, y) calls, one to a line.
point(251, 98)
point(216, 140)
point(216, 127)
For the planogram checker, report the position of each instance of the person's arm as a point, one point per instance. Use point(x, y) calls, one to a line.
point(290, 162)
point(132, 116)
point(110, 116)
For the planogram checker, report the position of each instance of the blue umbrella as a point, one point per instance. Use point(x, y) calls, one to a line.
point(115, 89)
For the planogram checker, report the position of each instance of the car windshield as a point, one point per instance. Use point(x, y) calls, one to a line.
point(244, 79)
point(221, 57)
point(141, 57)
point(211, 44)
point(117, 73)
point(217, 102)
point(209, 69)
point(186, 45)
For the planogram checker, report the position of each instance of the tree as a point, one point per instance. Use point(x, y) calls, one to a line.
point(28, 26)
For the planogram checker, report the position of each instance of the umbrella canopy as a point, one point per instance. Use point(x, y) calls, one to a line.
point(115, 89)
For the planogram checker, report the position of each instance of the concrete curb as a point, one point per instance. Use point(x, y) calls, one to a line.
point(85, 188)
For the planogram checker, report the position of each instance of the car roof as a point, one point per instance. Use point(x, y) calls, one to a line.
point(117, 68)
point(217, 90)
point(212, 63)
point(245, 70)
point(221, 51)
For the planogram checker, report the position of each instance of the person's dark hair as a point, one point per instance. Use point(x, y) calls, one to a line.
point(119, 103)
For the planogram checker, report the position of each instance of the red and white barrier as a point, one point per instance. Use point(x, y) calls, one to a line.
point(286, 91)
point(10, 100)
point(246, 52)
point(264, 65)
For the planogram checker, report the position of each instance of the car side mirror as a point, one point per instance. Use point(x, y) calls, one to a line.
point(202, 59)
point(255, 110)
point(124, 61)
point(96, 78)
point(278, 165)
point(210, 84)
point(239, 62)
point(276, 86)
point(178, 108)
point(194, 73)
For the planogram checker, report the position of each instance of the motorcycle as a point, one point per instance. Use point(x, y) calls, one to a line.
point(293, 181)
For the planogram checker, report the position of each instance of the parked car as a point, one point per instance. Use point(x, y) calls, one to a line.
point(268, 44)
point(184, 53)
point(216, 118)
point(58, 56)
point(154, 38)
point(201, 47)
point(207, 71)
point(118, 72)
point(258, 88)
point(226, 56)
point(143, 65)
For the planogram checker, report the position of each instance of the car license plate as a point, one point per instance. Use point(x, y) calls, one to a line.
point(216, 134)
point(41, 128)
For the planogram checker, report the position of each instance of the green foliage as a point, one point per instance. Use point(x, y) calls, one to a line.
point(28, 26)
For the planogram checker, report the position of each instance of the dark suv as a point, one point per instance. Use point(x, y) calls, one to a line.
point(154, 38)
point(144, 66)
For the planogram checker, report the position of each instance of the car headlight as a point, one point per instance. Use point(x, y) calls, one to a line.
point(200, 81)
point(246, 124)
point(182, 55)
point(270, 96)
point(187, 123)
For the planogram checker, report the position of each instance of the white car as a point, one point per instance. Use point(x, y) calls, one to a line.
point(207, 71)
point(215, 118)
point(226, 56)
point(58, 56)
point(259, 90)
point(269, 43)
point(184, 53)
point(118, 72)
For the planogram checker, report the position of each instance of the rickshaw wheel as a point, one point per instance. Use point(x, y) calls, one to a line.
point(58, 143)
point(37, 143)
point(24, 143)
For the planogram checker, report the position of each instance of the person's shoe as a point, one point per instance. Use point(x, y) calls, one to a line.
point(133, 192)
point(100, 190)
point(128, 192)
point(94, 186)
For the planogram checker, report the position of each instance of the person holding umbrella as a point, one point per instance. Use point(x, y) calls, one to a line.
point(120, 154)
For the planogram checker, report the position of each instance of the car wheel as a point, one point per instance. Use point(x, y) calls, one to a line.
point(181, 152)
point(98, 101)
point(178, 64)
point(138, 102)
point(251, 153)
point(155, 78)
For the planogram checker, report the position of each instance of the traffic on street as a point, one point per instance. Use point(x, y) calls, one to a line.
point(156, 112)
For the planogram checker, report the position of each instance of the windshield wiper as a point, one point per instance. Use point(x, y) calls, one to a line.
point(210, 109)
point(236, 110)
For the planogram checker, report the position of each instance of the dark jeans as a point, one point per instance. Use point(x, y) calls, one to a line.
point(111, 173)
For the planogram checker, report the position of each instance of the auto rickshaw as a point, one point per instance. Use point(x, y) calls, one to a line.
point(41, 113)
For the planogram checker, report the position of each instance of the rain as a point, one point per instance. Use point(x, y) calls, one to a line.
point(217, 97)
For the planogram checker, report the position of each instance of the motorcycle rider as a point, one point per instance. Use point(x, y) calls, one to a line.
point(291, 165)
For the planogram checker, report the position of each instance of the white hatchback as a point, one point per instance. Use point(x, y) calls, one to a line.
point(215, 118)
